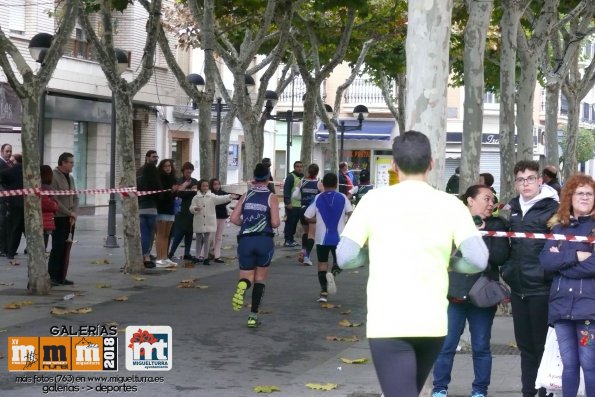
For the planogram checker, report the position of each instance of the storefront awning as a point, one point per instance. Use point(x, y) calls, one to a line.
point(371, 129)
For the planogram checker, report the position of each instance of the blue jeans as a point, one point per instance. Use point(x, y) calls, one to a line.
point(480, 326)
point(147, 229)
point(178, 234)
point(575, 355)
point(291, 221)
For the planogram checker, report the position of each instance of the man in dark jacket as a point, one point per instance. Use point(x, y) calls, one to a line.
point(529, 213)
point(293, 206)
point(550, 176)
point(12, 179)
point(452, 186)
point(65, 219)
point(5, 163)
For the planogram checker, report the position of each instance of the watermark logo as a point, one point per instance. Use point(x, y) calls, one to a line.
point(62, 353)
point(94, 353)
point(149, 348)
point(23, 353)
point(54, 353)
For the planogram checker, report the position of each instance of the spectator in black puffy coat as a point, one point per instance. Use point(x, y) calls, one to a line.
point(530, 285)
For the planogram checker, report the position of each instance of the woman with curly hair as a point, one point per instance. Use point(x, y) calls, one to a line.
point(571, 308)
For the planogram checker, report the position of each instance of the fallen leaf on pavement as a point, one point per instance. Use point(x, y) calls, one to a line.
point(7, 284)
point(352, 338)
point(60, 311)
point(347, 323)
point(265, 311)
point(82, 310)
point(138, 278)
point(2, 330)
point(17, 305)
point(103, 285)
point(266, 389)
point(201, 286)
point(512, 344)
point(318, 386)
point(348, 311)
point(122, 298)
point(227, 247)
point(188, 264)
point(355, 272)
point(327, 305)
point(355, 360)
point(100, 262)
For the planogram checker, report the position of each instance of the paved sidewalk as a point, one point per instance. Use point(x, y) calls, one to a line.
point(215, 355)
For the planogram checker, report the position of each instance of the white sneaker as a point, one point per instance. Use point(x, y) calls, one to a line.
point(307, 261)
point(331, 286)
point(160, 263)
point(170, 263)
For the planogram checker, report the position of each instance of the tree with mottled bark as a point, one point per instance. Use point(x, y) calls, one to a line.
point(475, 35)
point(428, 33)
point(555, 62)
point(385, 63)
point(29, 87)
point(123, 95)
point(331, 126)
point(541, 23)
point(306, 47)
point(512, 10)
point(576, 85)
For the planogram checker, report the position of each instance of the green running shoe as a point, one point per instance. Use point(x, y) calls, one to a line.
point(253, 321)
point(237, 302)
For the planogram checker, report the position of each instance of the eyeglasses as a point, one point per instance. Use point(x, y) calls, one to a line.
point(588, 195)
point(529, 180)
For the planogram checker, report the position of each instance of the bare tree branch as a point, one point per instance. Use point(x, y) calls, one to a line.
point(354, 72)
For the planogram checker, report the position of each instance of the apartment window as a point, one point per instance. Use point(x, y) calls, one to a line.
point(586, 111)
point(81, 46)
point(563, 104)
point(16, 20)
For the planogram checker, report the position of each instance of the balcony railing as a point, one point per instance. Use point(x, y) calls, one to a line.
point(295, 90)
point(363, 91)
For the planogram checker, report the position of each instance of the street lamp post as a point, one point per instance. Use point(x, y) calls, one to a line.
point(111, 241)
point(38, 47)
point(199, 82)
point(360, 112)
point(271, 99)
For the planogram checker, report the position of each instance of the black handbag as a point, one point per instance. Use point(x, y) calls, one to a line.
point(487, 292)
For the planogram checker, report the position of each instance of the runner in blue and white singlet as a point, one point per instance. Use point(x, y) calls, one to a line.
point(330, 209)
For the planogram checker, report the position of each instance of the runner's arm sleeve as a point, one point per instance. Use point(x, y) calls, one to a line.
point(350, 255)
point(475, 256)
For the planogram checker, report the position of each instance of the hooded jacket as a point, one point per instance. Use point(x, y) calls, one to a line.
point(572, 294)
point(522, 271)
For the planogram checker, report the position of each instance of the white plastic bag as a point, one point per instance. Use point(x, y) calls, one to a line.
point(549, 374)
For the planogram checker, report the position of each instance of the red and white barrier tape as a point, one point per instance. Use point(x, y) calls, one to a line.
point(542, 236)
point(37, 191)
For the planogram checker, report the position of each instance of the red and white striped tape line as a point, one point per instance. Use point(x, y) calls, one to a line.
point(24, 192)
point(542, 236)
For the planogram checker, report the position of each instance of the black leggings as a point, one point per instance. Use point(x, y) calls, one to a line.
point(403, 364)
